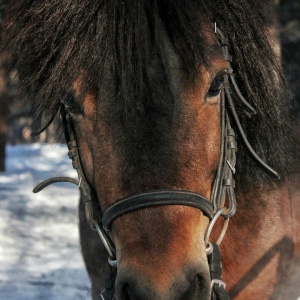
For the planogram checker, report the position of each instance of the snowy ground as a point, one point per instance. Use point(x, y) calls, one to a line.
point(39, 250)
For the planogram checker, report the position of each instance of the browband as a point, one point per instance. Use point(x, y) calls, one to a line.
point(155, 198)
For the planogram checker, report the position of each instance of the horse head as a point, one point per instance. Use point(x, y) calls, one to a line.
point(147, 93)
point(165, 147)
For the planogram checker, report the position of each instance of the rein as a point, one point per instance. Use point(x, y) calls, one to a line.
point(221, 204)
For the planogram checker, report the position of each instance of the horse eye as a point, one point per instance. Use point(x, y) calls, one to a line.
point(216, 86)
point(71, 104)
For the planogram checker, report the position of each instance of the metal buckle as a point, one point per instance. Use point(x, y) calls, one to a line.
point(112, 262)
point(231, 166)
point(79, 184)
point(209, 248)
point(107, 244)
point(219, 282)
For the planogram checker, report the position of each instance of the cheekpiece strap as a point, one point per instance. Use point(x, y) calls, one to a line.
point(215, 267)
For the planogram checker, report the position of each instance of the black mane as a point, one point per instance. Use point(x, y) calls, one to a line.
point(52, 42)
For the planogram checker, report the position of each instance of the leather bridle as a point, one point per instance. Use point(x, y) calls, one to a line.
point(222, 201)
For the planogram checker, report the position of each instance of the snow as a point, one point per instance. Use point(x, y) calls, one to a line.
point(39, 248)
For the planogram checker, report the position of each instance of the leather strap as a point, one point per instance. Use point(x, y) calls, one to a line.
point(155, 198)
point(215, 267)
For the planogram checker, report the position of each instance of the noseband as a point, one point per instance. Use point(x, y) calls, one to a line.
point(222, 202)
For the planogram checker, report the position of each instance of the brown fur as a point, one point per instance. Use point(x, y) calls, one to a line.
point(162, 247)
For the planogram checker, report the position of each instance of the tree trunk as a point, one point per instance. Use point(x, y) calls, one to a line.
point(3, 108)
point(3, 96)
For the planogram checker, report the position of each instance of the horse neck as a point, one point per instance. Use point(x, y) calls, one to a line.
point(262, 238)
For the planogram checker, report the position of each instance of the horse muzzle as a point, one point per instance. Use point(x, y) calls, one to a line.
point(136, 284)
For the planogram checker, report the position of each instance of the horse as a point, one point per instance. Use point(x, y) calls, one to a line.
point(178, 119)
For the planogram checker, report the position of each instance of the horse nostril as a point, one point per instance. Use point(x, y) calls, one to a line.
point(203, 286)
point(129, 292)
point(126, 293)
point(199, 288)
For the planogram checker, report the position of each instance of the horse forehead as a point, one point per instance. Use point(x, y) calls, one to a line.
point(178, 81)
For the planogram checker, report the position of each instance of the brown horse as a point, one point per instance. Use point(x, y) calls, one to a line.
point(155, 96)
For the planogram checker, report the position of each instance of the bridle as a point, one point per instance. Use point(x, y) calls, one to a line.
point(221, 204)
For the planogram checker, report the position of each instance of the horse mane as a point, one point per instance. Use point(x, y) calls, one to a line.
point(53, 41)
